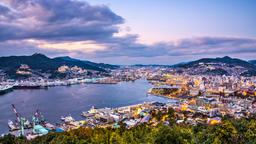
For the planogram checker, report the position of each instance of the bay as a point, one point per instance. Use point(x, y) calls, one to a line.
point(55, 102)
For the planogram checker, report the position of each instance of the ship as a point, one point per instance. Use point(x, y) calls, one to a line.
point(67, 119)
point(27, 87)
point(5, 89)
point(12, 126)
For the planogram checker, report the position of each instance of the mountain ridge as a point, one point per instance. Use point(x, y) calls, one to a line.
point(225, 59)
point(252, 62)
point(220, 66)
point(43, 63)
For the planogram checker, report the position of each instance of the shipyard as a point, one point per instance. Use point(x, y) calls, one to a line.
point(191, 99)
point(184, 111)
point(127, 72)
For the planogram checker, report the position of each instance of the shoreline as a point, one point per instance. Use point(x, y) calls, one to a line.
point(54, 84)
point(83, 117)
point(87, 105)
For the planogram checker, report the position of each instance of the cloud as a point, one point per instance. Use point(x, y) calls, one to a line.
point(183, 47)
point(56, 20)
point(76, 28)
point(215, 45)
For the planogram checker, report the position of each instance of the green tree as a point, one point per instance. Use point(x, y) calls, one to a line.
point(226, 132)
point(250, 134)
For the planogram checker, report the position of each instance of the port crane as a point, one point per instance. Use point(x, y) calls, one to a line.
point(22, 122)
point(38, 118)
point(16, 112)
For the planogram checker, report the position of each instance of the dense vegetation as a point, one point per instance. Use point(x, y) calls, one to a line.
point(164, 91)
point(225, 60)
point(217, 72)
point(221, 66)
point(249, 73)
point(44, 64)
point(230, 131)
point(252, 62)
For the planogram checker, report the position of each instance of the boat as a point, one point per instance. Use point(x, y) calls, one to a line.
point(59, 130)
point(12, 126)
point(5, 89)
point(49, 126)
point(39, 129)
point(27, 87)
point(92, 110)
point(67, 119)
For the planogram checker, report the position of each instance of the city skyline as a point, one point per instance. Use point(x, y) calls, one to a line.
point(130, 32)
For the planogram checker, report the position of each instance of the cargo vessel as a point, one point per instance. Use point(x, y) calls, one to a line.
point(5, 89)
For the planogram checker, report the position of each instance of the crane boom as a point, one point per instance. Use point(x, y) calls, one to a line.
point(16, 112)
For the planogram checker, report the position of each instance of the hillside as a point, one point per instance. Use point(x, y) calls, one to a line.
point(228, 132)
point(252, 62)
point(41, 63)
point(99, 65)
point(220, 66)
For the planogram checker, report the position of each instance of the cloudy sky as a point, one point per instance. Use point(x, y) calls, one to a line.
point(129, 31)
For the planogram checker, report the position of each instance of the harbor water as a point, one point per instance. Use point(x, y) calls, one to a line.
point(55, 102)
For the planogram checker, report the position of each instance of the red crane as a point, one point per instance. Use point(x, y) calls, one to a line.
point(16, 113)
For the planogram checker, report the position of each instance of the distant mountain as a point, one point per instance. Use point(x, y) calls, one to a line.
point(100, 65)
point(220, 66)
point(179, 64)
point(224, 60)
point(149, 65)
point(252, 62)
point(40, 62)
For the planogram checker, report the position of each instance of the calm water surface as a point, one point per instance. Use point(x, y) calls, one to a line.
point(60, 101)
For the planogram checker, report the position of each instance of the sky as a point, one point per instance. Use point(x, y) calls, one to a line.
point(129, 31)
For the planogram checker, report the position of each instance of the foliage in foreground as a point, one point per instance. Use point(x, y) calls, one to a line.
point(230, 131)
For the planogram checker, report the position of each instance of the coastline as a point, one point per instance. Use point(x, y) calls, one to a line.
point(46, 85)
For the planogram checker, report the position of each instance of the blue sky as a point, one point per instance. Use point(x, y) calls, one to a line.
point(160, 20)
point(129, 31)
